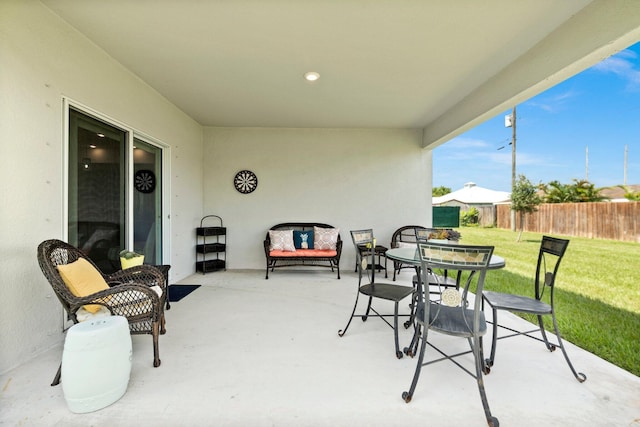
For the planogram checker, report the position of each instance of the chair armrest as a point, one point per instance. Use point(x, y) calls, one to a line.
point(121, 297)
point(145, 275)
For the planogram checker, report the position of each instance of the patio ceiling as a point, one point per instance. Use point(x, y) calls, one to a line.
point(444, 66)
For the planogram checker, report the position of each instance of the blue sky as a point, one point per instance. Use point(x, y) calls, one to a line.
point(598, 108)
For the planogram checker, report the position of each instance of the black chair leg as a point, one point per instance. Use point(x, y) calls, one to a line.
point(549, 346)
point(56, 379)
point(395, 331)
point(412, 307)
point(478, 355)
point(365, 316)
point(408, 395)
point(341, 332)
point(396, 269)
point(412, 349)
point(579, 375)
point(494, 341)
point(488, 363)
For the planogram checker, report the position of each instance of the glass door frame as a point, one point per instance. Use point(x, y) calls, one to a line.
point(129, 214)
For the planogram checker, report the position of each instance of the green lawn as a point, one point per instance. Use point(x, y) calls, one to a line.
point(597, 293)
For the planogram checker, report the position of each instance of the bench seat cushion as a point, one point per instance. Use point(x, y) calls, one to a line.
point(304, 253)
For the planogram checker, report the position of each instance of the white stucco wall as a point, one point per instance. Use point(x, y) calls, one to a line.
point(351, 179)
point(42, 59)
point(348, 178)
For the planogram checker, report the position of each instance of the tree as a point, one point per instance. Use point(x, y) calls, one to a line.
point(524, 199)
point(578, 192)
point(587, 192)
point(440, 191)
point(630, 194)
point(555, 192)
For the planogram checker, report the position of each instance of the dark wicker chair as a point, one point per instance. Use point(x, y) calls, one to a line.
point(405, 235)
point(130, 294)
point(409, 235)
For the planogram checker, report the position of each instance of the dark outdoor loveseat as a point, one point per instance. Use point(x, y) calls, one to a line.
point(322, 250)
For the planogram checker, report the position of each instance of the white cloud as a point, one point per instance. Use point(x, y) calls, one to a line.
point(532, 159)
point(478, 156)
point(624, 65)
point(461, 149)
point(464, 143)
point(555, 103)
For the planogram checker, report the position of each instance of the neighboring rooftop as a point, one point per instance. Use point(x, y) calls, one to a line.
point(471, 194)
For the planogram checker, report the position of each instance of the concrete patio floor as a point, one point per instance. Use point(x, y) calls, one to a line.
point(245, 351)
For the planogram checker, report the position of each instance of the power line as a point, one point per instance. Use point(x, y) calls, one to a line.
point(503, 144)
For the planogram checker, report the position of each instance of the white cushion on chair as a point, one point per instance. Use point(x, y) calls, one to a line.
point(83, 315)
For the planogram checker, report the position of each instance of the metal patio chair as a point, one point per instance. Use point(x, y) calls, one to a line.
point(365, 256)
point(451, 312)
point(551, 252)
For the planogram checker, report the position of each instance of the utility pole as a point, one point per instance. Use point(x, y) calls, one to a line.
point(587, 164)
point(626, 154)
point(510, 121)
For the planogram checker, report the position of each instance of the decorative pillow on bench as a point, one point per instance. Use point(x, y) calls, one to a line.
point(303, 239)
point(281, 240)
point(325, 238)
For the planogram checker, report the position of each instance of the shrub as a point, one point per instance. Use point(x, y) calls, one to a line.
point(471, 216)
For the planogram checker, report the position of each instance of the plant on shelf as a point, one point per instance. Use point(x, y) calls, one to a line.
point(445, 234)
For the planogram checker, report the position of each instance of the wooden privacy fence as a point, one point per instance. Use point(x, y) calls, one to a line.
point(602, 220)
point(486, 216)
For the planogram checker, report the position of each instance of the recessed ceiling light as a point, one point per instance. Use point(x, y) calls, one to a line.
point(311, 76)
point(101, 135)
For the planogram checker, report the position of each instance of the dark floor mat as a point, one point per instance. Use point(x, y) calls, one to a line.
point(177, 292)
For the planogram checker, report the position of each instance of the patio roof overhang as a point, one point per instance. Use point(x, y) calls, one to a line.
point(443, 67)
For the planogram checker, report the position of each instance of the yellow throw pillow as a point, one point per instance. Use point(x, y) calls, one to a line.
point(83, 279)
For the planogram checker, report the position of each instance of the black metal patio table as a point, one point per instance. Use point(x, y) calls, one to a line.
point(410, 256)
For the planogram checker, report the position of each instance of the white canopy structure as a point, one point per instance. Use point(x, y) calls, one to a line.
point(472, 195)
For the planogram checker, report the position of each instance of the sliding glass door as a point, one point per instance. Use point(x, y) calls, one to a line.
point(97, 199)
point(147, 201)
point(112, 206)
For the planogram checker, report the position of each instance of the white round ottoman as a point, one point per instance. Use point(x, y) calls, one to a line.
point(96, 363)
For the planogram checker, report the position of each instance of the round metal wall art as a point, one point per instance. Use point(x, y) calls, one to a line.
point(245, 181)
point(145, 181)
